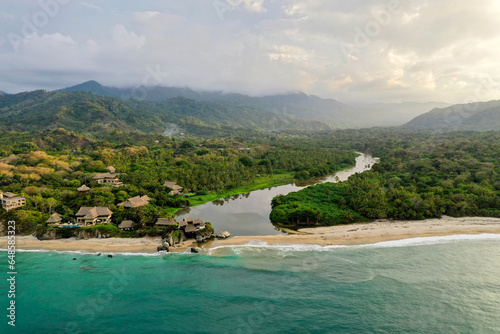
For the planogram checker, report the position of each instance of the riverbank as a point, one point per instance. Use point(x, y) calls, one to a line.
point(263, 182)
point(259, 183)
point(374, 232)
point(354, 234)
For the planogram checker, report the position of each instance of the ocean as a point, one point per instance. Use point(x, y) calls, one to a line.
point(422, 285)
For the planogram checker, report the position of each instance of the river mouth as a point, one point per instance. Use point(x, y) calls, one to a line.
point(248, 214)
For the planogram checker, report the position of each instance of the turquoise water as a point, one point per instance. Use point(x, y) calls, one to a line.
point(432, 285)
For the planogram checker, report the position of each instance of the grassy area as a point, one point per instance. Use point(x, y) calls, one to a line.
point(262, 182)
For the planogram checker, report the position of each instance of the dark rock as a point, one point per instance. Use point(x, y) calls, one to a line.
point(74, 258)
point(194, 250)
point(163, 249)
point(109, 255)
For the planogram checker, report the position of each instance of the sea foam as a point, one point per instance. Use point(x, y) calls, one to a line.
point(411, 242)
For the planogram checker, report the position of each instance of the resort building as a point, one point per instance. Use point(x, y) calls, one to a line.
point(191, 226)
point(165, 222)
point(95, 215)
point(176, 189)
point(111, 169)
point(54, 220)
point(108, 179)
point(126, 225)
point(83, 189)
point(11, 201)
point(136, 202)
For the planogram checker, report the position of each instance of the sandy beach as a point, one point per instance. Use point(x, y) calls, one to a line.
point(111, 245)
point(354, 234)
point(374, 232)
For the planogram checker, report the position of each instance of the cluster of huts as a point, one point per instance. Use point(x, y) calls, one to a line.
point(88, 216)
point(189, 225)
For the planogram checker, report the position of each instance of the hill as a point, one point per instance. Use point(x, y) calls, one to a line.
point(87, 112)
point(483, 116)
point(296, 104)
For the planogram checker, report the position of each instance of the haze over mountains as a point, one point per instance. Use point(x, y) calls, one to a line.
point(88, 112)
point(92, 107)
point(297, 104)
point(481, 116)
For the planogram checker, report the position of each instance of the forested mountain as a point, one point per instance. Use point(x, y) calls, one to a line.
point(88, 112)
point(483, 116)
point(296, 104)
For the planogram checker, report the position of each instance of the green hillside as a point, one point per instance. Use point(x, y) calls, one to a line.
point(294, 104)
point(484, 116)
point(85, 112)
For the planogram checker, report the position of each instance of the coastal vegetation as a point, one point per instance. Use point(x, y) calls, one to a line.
point(47, 168)
point(420, 176)
point(214, 151)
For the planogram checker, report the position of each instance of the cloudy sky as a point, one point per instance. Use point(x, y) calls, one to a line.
point(354, 51)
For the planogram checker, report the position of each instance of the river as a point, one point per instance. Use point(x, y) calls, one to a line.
point(248, 214)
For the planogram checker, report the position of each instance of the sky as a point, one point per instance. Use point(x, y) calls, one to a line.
point(354, 51)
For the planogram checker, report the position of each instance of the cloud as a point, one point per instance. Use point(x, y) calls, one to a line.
point(256, 6)
point(127, 39)
point(90, 5)
point(358, 50)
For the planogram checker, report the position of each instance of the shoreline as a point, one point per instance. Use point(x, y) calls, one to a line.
point(353, 234)
point(375, 232)
point(105, 246)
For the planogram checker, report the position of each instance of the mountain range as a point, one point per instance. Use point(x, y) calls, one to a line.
point(480, 116)
point(296, 104)
point(81, 111)
point(91, 108)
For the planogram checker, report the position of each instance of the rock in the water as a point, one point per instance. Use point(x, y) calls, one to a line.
point(109, 255)
point(223, 235)
point(194, 250)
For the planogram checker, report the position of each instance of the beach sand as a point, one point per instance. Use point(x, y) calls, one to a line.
point(110, 245)
point(374, 232)
point(353, 234)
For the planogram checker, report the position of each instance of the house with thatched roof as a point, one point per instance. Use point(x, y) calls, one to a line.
point(111, 169)
point(136, 202)
point(176, 189)
point(166, 222)
point(11, 201)
point(126, 225)
point(96, 215)
point(190, 229)
point(191, 226)
point(83, 189)
point(108, 179)
point(54, 220)
point(185, 221)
